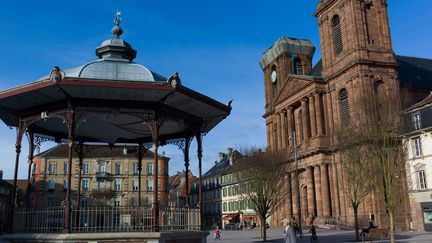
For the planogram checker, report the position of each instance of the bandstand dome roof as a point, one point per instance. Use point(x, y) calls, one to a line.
point(114, 100)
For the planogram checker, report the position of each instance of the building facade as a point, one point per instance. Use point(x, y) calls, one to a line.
point(178, 190)
point(109, 177)
point(313, 102)
point(418, 140)
point(237, 212)
point(212, 189)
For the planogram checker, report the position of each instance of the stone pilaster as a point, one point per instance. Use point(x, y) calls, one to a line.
point(290, 125)
point(318, 194)
point(278, 131)
point(283, 129)
point(325, 191)
point(319, 115)
point(312, 116)
point(305, 119)
point(294, 195)
point(310, 191)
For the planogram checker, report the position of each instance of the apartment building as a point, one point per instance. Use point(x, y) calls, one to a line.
point(109, 177)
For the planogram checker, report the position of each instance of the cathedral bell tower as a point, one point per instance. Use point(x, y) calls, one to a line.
point(353, 32)
point(356, 49)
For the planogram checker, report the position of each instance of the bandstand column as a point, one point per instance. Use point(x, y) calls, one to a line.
point(68, 205)
point(199, 154)
point(319, 119)
point(155, 131)
point(20, 132)
point(312, 116)
point(140, 156)
point(186, 164)
point(80, 165)
point(30, 162)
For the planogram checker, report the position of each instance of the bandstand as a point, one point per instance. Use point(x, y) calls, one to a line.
point(111, 101)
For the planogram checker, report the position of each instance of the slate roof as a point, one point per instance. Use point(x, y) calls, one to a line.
point(96, 151)
point(413, 72)
point(223, 165)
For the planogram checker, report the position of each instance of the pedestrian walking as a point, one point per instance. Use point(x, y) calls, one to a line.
point(217, 233)
point(290, 236)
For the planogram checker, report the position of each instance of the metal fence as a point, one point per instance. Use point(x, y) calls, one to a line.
point(106, 219)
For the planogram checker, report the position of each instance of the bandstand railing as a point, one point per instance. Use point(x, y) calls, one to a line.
point(106, 219)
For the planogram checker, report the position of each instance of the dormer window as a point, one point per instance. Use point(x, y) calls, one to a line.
point(416, 121)
point(298, 67)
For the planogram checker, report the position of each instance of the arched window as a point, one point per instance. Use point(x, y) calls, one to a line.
point(298, 66)
point(344, 108)
point(337, 34)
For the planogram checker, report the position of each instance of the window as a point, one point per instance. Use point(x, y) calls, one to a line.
point(85, 184)
point(135, 200)
point(84, 202)
point(149, 185)
point(117, 201)
point(135, 185)
point(421, 179)
point(65, 185)
point(50, 202)
point(337, 35)
point(51, 185)
point(298, 67)
point(86, 168)
point(224, 191)
point(416, 121)
point(101, 185)
point(118, 169)
point(344, 108)
point(52, 168)
point(150, 168)
point(117, 185)
point(102, 167)
point(135, 168)
point(65, 168)
point(416, 146)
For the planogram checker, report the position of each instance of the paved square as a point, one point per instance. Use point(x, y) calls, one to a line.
point(276, 235)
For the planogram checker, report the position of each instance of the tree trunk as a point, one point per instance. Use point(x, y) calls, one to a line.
point(356, 225)
point(392, 229)
point(263, 230)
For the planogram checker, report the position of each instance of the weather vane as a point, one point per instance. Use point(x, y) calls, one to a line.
point(117, 17)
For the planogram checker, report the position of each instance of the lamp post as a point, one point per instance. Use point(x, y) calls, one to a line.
point(295, 148)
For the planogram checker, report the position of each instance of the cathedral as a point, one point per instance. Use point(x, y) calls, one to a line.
point(313, 101)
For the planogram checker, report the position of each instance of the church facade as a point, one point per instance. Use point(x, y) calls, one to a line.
point(312, 102)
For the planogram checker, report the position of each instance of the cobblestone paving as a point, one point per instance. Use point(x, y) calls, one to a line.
point(276, 235)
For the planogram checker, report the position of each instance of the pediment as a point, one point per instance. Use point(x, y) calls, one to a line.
point(419, 166)
point(292, 85)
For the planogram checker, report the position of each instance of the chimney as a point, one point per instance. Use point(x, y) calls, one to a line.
point(1, 175)
point(221, 156)
point(230, 156)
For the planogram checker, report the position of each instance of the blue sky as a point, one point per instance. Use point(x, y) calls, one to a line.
point(214, 45)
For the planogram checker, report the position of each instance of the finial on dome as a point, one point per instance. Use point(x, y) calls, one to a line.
point(117, 30)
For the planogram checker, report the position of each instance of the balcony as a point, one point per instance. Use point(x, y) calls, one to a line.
point(101, 176)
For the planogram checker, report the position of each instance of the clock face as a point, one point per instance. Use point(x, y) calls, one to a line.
point(273, 76)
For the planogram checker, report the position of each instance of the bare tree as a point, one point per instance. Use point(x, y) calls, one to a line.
point(377, 126)
point(356, 169)
point(264, 174)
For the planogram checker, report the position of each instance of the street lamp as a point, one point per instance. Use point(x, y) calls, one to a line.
point(295, 148)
